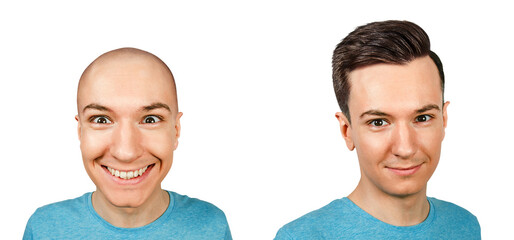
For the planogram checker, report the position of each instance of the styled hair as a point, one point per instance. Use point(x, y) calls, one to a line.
point(392, 42)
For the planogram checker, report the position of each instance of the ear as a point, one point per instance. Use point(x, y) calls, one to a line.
point(445, 114)
point(78, 125)
point(346, 130)
point(177, 129)
point(445, 117)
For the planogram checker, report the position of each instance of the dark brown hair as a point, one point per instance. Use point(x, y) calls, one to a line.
point(394, 42)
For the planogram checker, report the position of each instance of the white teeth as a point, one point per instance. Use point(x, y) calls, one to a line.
point(127, 175)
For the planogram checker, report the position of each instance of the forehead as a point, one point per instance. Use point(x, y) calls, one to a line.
point(127, 82)
point(394, 86)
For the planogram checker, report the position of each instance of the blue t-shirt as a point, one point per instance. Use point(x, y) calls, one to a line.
point(185, 218)
point(342, 219)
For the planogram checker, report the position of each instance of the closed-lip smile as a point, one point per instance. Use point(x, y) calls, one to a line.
point(404, 171)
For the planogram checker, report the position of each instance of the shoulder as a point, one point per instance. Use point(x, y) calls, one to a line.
point(332, 217)
point(64, 209)
point(449, 214)
point(446, 209)
point(193, 204)
point(196, 208)
point(198, 218)
point(56, 216)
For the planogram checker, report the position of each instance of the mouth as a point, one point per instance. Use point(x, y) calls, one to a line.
point(131, 174)
point(405, 171)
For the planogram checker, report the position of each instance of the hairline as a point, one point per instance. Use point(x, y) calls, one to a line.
point(400, 63)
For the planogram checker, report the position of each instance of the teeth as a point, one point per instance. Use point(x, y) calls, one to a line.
point(127, 175)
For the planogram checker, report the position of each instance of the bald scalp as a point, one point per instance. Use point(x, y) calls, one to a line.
point(122, 55)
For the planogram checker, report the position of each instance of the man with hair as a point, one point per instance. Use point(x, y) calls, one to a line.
point(128, 127)
point(389, 86)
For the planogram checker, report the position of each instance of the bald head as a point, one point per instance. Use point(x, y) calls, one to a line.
point(124, 68)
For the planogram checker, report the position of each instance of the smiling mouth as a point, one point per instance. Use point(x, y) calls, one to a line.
point(128, 174)
point(405, 171)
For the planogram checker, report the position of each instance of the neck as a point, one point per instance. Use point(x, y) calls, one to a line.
point(406, 210)
point(131, 217)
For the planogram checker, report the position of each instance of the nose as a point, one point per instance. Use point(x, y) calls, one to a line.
point(126, 142)
point(404, 141)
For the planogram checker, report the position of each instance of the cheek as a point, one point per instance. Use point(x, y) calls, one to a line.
point(371, 147)
point(93, 144)
point(430, 142)
point(160, 143)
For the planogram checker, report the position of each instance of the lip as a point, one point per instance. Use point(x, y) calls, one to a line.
point(405, 171)
point(132, 181)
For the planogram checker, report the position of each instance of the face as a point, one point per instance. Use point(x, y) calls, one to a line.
point(128, 129)
point(397, 125)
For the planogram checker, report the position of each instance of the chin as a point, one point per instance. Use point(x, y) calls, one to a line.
point(126, 199)
point(404, 190)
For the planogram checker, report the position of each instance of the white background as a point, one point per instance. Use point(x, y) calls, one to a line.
point(259, 136)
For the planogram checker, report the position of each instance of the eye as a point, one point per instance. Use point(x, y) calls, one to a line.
point(100, 120)
point(423, 118)
point(151, 119)
point(378, 123)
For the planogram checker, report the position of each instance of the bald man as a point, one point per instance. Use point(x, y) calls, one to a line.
point(128, 126)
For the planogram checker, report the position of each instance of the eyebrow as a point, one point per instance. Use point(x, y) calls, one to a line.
point(156, 106)
point(374, 112)
point(96, 106)
point(148, 108)
point(428, 108)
